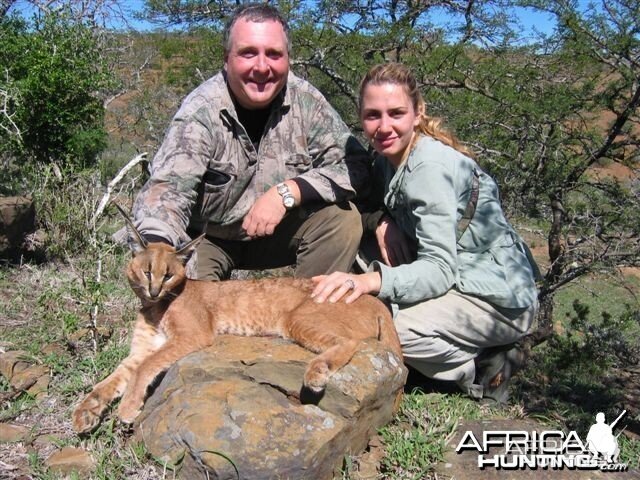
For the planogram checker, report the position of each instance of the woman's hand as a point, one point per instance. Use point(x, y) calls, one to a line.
point(338, 284)
point(393, 243)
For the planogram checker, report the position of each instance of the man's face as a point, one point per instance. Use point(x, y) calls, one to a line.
point(257, 63)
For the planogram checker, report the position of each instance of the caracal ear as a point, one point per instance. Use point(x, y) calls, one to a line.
point(185, 251)
point(137, 242)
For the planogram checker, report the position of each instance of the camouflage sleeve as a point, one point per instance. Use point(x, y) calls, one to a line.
point(340, 163)
point(163, 206)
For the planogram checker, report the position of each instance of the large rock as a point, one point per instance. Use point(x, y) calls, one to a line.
point(237, 410)
point(17, 219)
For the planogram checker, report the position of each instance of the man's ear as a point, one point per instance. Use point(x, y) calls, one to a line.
point(184, 252)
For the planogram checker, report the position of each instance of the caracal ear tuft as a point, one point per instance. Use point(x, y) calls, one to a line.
point(185, 251)
point(137, 242)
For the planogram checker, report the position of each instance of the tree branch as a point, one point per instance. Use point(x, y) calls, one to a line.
point(317, 61)
point(112, 184)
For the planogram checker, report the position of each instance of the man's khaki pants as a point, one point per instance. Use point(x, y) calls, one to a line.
point(316, 239)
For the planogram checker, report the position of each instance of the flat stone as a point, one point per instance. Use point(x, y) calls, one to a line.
point(23, 375)
point(17, 218)
point(40, 388)
point(13, 433)
point(46, 441)
point(70, 460)
point(370, 461)
point(12, 362)
point(28, 377)
point(54, 349)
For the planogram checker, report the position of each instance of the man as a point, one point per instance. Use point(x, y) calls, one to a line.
point(258, 160)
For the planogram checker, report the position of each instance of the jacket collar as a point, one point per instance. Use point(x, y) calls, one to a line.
point(227, 105)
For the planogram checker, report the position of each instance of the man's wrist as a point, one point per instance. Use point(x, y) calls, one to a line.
point(286, 195)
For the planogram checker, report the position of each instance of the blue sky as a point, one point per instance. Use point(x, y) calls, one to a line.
point(530, 19)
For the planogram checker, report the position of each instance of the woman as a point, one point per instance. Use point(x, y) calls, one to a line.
point(458, 276)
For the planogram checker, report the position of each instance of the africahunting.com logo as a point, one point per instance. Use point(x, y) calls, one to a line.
point(547, 449)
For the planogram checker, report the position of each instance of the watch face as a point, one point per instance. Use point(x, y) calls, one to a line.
point(282, 188)
point(288, 201)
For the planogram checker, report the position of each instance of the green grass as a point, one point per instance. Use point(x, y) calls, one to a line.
point(47, 306)
point(417, 439)
point(23, 403)
point(630, 451)
point(600, 293)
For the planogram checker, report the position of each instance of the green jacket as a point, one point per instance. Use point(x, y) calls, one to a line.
point(207, 174)
point(427, 197)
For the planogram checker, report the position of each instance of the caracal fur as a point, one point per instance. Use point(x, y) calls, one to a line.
point(180, 316)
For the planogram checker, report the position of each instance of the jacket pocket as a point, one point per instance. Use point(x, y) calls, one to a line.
point(215, 178)
point(216, 187)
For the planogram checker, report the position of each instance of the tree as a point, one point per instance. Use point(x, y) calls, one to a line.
point(188, 13)
point(593, 224)
point(95, 13)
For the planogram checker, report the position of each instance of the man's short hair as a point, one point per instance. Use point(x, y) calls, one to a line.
point(254, 12)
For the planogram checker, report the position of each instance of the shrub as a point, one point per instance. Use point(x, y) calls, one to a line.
point(53, 72)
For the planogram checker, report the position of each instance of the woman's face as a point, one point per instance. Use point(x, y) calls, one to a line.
point(389, 120)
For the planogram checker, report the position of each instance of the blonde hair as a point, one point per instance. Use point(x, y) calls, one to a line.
point(398, 74)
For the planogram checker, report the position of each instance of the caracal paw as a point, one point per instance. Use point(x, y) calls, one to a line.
point(128, 411)
point(317, 376)
point(87, 415)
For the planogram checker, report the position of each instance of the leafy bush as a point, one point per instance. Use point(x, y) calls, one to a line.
point(591, 349)
point(578, 370)
point(53, 71)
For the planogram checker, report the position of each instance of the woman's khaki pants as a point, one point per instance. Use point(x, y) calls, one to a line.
point(442, 337)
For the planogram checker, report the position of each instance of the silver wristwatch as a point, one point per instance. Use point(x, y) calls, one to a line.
point(288, 200)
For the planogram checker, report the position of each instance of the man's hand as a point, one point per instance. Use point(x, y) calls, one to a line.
point(393, 243)
point(265, 215)
point(268, 211)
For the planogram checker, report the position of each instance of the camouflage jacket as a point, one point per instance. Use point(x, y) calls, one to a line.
point(207, 174)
